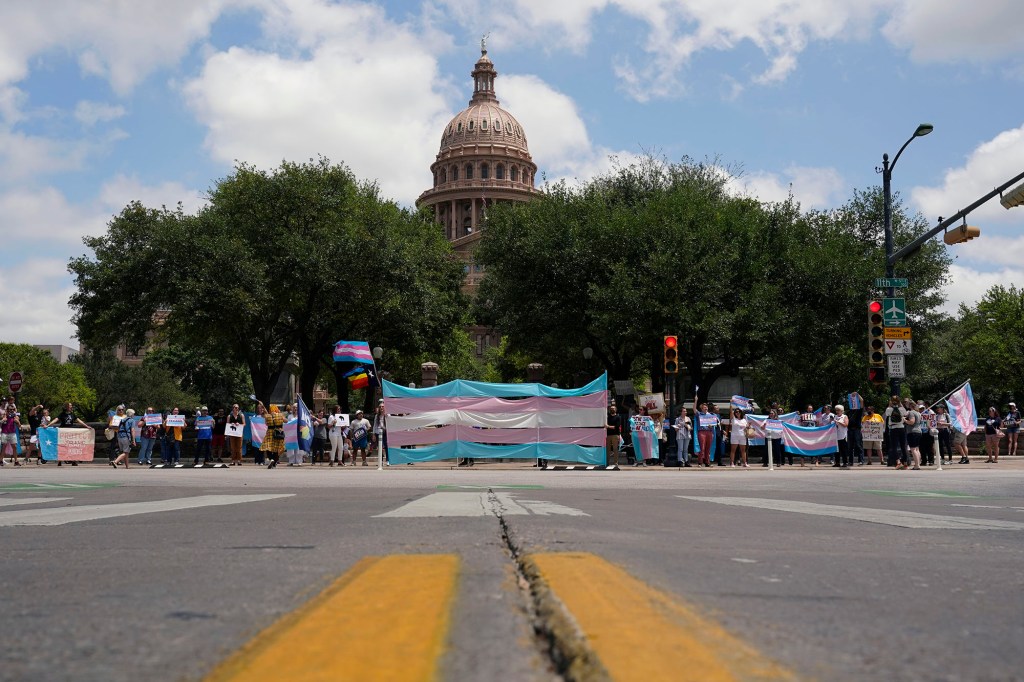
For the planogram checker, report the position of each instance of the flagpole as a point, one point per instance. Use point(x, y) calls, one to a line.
point(380, 441)
point(949, 394)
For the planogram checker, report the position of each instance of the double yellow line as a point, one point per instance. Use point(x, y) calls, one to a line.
point(388, 617)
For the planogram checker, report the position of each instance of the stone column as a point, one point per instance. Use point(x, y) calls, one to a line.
point(473, 222)
point(428, 374)
point(452, 223)
point(535, 373)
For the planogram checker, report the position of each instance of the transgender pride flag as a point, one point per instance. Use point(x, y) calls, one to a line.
point(961, 409)
point(353, 351)
point(810, 441)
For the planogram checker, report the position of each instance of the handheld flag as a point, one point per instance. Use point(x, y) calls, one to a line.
point(305, 427)
point(353, 351)
point(961, 409)
point(741, 403)
point(810, 441)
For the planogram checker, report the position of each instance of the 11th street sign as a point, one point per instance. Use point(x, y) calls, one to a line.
point(892, 282)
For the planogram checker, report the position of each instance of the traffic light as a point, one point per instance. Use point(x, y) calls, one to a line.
point(671, 354)
point(876, 343)
point(961, 234)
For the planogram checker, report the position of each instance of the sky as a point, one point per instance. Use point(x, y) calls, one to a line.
point(106, 102)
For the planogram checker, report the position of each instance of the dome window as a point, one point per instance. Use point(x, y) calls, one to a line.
point(485, 171)
point(483, 124)
point(469, 171)
point(499, 171)
point(459, 127)
point(515, 174)
point(444, 175)
point(471, 126)
point(455, 173)
point(497, 126)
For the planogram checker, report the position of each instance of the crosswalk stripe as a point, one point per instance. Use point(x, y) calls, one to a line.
point(13, 501)
point(387, 618)
point(477, 504)
point(619, 624)
point(58, 516)
point(889, 517)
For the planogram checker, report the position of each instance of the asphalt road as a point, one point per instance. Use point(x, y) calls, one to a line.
point(834, 575)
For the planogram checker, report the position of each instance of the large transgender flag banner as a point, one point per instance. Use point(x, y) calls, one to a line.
point(482, 420)
point(353, 351)
point(810, 441)
point(961, 409)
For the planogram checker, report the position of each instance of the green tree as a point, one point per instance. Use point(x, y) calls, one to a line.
point(281, 264)
point(136, 386)
point(201, 372)
point(656, 248)
point(46, 381)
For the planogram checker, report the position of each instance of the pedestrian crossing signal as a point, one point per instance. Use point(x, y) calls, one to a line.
point(876, 375)
point(671, 354)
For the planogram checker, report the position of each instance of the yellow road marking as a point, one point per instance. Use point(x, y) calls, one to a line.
point(634, 632)
point(385, 619)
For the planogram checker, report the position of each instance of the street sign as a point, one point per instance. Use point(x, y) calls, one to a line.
point(897, 333)
point(897, 347)
point(892, 283)
point(15, 382)
point(897, 366)
point(894, 312)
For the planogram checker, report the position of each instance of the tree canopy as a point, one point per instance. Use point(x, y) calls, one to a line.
point(47, 382)
point(280, 263)
point(659, 248)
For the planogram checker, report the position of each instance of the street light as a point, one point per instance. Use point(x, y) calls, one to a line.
point(378, 352)
point(922, 130)
point(588, 353)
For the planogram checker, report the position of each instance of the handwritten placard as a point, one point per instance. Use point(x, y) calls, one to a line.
point(872, 430)
point(234, 430)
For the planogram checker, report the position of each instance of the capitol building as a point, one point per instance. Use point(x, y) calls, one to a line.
point(483, 159)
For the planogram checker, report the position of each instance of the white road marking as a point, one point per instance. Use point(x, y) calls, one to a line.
point(60, 515)
point(476, 504)
point(977, 506)
point(741, 560)
point(12, 501)
point(889, 517)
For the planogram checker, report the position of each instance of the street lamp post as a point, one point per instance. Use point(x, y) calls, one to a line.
point(378, 353)
point(886, 170)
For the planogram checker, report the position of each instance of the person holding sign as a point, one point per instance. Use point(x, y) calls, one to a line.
point(66, 420)
point(220, 422)
point(125, 439)
point(174, 424)
point(737, 438)
point(706, 425)
point(359, 432)
point(147, 436)
point(993, 432)
point(233, 430)
point(337, 433)
point(844, 458)
point(873, 428)
point(204, 436)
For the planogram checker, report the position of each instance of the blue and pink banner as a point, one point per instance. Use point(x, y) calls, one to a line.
point(854, 401)
point(739, 402)
point(482, 420)
point(962, 414)
point(810, 441)
point(353, 351)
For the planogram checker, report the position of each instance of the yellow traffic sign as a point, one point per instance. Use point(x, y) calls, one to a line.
point(898, 333)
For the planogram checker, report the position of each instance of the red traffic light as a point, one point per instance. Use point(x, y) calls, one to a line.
point(671, 342)
point(875, 307)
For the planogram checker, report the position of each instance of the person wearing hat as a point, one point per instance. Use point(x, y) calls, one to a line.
point(204, 436)
point(929, 430)
point(125, 437)
point(1011, 425)
point(359, 432)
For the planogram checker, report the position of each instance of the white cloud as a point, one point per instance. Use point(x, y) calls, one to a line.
point(979, 31)
point(35, 293)
point(989, 165)
point(119, 41)
point(45, 216)
point(812, 187)
point(968, 285)
point(90, 113)
point(367, 92)
point(117, 192)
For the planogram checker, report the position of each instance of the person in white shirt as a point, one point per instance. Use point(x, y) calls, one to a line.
point(738, 438)
point(337, 432)
point(844, 458)
point(682, 427)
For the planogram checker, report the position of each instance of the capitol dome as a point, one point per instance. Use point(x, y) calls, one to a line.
point(483, 159)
